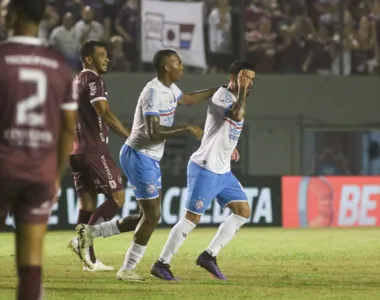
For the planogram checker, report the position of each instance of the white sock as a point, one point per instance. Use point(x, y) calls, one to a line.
point(177, 236)
point(134, 254)
point(226, 232)
point(105, 229)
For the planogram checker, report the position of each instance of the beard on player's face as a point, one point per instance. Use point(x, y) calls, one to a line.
point(101, 66)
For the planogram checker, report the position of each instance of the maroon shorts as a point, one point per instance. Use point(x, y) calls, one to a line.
point(29, 202)
point(96, 172)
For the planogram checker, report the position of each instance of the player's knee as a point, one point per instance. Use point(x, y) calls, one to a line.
point(241, 209)
point(245, 212)
point(192, 217)
point(153, 216)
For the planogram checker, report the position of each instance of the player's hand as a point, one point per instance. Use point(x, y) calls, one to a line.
point(196, 131)
point(243, 80)
point(57, 187)
point(235, 155)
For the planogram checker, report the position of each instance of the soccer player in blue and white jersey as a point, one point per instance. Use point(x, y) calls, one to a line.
point(209, 175)
point(140, 157)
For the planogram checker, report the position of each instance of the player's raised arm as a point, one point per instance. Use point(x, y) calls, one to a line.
point(197, 96)
point(99, 102)
point(236, 111)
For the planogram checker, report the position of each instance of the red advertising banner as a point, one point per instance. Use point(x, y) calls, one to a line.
point(337, 201)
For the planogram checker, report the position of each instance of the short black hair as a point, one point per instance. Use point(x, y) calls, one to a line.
point(239, 65)
point(33, 10)
point(159, 57)
point(88, 48)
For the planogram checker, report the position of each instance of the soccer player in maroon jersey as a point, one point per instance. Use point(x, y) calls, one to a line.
point(94, 170)
point(37, 123)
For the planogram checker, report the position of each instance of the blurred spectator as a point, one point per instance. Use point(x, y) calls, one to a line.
point(319, 57)
point(127, 26)
point(328, 11)
point(350, 43)
point(220, 39)
point(97, 7)
point(88, 29)
point(70, 6)
point(262, 46)
point(65, 40)
point(50, 20)
point(364, 56)
point(296, 47)
point(118, 59)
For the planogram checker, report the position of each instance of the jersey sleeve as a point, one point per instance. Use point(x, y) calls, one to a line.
point(177, 92)
point(150, 102)
point(96, 90)
point(70, 100)
point(223, 99)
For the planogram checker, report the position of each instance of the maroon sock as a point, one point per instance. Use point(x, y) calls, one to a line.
point(84, 216)
point(30, 283)
point(104, 212)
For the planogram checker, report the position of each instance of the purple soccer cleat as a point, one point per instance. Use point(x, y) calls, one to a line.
point(162, 271)
point(208, 262)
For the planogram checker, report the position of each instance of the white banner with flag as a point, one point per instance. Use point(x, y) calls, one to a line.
point(175, 25)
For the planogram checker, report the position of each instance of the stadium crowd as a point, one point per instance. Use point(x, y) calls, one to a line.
point(284, 36)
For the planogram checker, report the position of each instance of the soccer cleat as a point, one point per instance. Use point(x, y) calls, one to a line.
point(84, 241)
point(128, 275)
point(162, 271)
point(73, 245)
point(98, 267)
point(208, 262)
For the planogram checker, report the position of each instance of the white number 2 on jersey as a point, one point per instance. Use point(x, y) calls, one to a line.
point(25, 107)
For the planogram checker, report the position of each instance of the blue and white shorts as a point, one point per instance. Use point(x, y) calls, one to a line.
point(203, 186)
point(143, 172)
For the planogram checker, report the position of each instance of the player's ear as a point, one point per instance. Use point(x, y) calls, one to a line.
point(232, 77)
point(167, 68)
point(88, 60)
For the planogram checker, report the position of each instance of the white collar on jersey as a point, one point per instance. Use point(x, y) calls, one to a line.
point(88, 70)
point(26, 40)
point(161, 84)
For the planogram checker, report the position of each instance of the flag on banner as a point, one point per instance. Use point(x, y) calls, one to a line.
point(174, 25)
point(178, 36)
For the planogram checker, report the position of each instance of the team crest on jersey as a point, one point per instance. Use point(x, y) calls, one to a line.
point(200, 203)
point(226, 98)
point(112, 184)
point(150, 188)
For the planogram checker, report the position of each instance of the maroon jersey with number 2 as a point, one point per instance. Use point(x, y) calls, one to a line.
point(35, 86)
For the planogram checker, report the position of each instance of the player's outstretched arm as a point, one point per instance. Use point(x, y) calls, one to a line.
point(103, 110)
point(156, 132)
point(197, 96)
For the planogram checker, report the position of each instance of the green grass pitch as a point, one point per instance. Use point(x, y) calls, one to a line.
point(260, 264)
